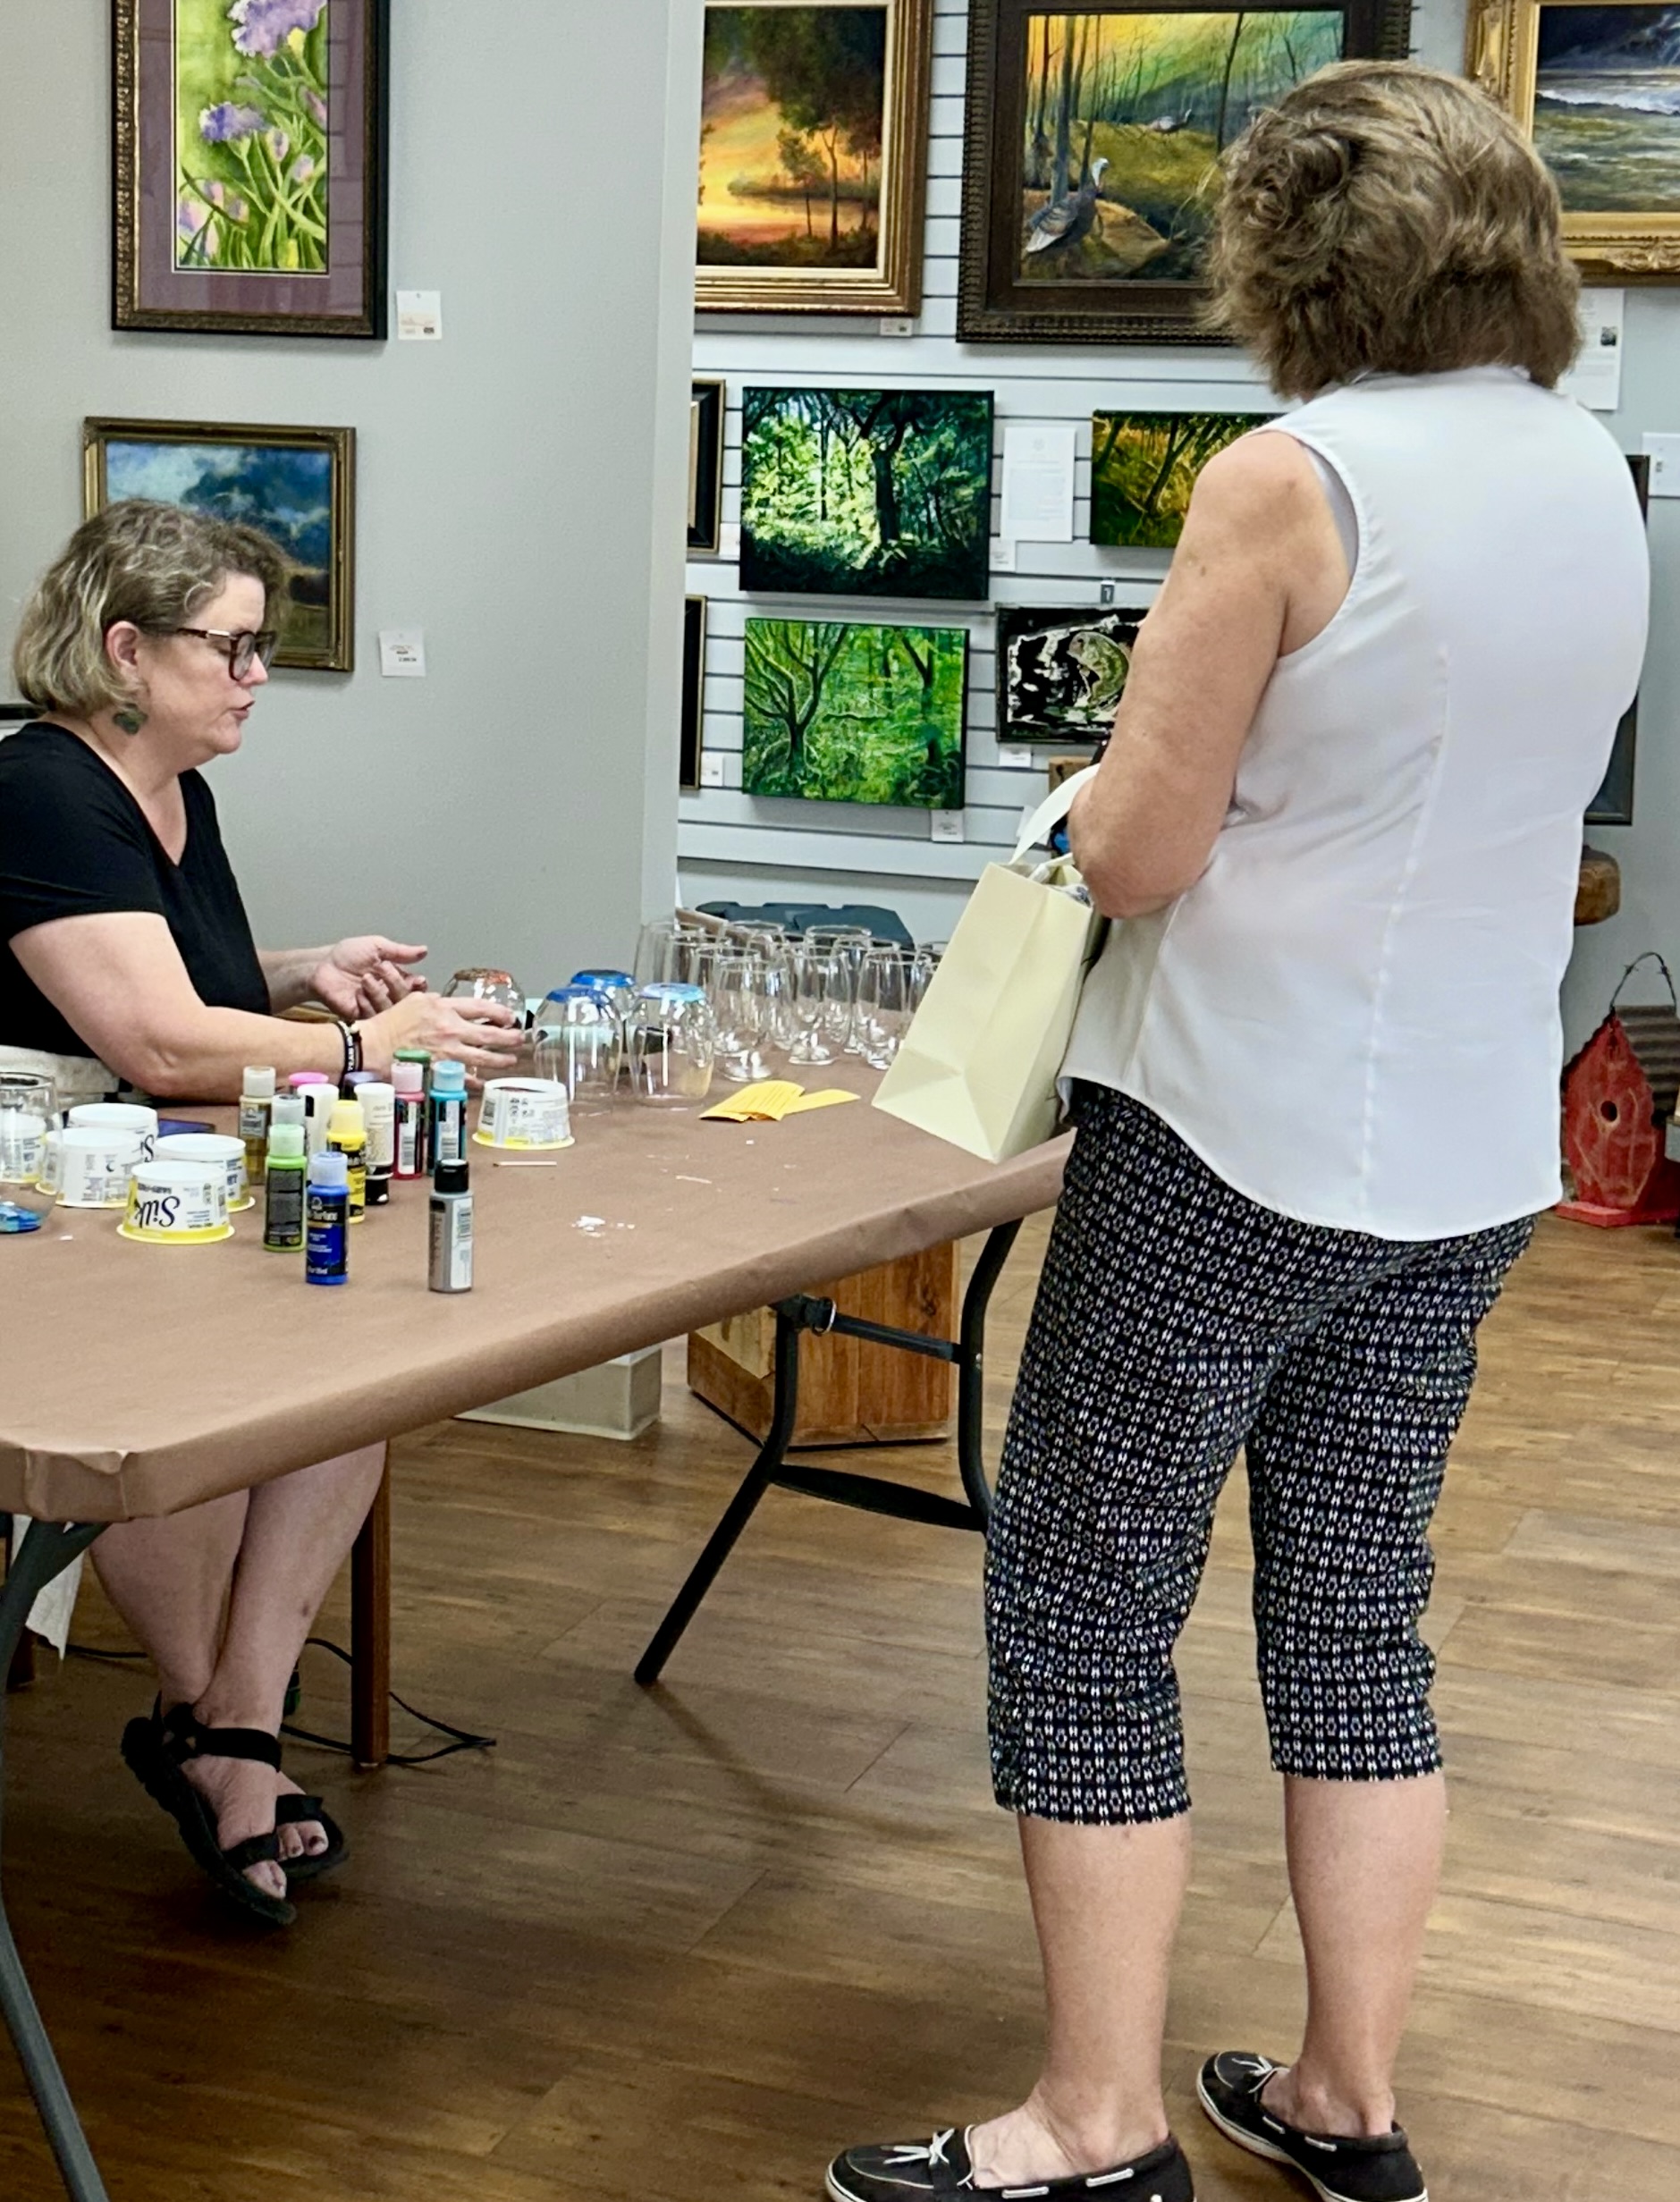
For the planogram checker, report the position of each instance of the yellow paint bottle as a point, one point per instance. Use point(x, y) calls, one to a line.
point(347, 1135)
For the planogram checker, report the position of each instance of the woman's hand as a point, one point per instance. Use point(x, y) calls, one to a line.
point(481, 1034)
point(363, 976)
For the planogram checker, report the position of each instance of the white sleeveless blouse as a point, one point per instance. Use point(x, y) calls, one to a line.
point(1353, 1016)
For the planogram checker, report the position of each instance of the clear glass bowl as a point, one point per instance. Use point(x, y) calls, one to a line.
point(580, 1042)
point(671, 1045)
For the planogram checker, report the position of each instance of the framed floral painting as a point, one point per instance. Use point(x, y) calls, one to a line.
point(297, 484)
point(251, 166)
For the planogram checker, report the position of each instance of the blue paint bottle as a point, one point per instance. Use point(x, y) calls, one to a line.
point(446, 1112)
point(327, 1221)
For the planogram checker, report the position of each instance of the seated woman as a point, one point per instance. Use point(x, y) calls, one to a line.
point(126, 959)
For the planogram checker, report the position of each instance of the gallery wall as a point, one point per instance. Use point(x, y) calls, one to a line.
point(741, 848)
point(520, 484)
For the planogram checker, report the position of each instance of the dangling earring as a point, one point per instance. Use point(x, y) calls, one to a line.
point(129, 718)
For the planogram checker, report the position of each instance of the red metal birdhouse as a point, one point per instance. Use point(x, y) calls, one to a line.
point(1618, 1094)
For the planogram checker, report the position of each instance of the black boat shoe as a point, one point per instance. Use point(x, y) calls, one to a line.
point(909, 2171)
point(1382, 2169)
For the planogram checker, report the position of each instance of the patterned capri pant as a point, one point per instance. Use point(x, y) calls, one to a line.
point(1177, 1321)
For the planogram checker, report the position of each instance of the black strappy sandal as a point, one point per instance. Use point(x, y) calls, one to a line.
point(297, 1811)
point(156, 1748)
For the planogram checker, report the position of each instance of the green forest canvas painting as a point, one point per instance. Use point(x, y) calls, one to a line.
point(846, 713)
point(1125, 116)
point(866, 492)
point(251, 135)
point(1143, 466)
point(792, 133)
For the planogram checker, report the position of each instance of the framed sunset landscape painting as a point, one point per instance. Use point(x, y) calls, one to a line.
point(1597, 90)
point(812, 152)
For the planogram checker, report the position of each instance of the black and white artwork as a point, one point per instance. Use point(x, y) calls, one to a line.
point(1061, 669)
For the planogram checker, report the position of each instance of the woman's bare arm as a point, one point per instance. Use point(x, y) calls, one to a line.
point(1258, 572)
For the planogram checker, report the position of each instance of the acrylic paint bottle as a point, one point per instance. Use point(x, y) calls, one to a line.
point(326, 1222)
point(446, 1112)
point(450, 1265)
point(256, 1099)
point(407, 1082)
point(288, 1108)
point(350, 1084)
point(319, 1100)
point(379, 1106)
point(283, 1190)
point(347, 1135)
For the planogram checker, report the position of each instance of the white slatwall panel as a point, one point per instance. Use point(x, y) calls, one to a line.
point(724, 829)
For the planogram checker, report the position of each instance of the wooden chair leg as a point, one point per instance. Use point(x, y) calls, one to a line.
point(371, 1633)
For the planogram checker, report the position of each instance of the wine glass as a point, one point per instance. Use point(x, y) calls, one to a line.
point(885, 1003)
point(743, 997)
point(670, 1042)
point(819, 993)
point(28, 1110)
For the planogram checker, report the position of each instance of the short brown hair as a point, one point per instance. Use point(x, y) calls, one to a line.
point(155, 564)
point(1386, 218)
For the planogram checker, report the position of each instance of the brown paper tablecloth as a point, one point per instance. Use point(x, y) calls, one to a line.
point(137, 1380)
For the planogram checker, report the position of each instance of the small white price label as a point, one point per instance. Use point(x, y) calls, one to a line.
point(712, 768)
point(948, 826)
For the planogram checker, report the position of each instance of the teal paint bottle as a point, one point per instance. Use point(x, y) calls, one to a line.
point(446, 1112)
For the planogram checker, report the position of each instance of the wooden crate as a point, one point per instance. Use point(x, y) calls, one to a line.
point(851, 1392)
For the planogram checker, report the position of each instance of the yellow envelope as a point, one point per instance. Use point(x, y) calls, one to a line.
point(772, 1099)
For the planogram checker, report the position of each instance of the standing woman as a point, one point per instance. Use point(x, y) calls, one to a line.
point(126, 958)
point(1316, 1074)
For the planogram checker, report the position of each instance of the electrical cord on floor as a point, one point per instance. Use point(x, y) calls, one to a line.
point(461, 1739)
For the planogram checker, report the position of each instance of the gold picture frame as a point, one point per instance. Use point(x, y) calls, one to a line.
point(818, 137)
point(1508, 48)
point(254, 475)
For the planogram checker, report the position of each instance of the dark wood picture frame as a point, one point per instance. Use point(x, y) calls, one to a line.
point(706, 465)
point(151, 290)
point(994, 305)
point(693, 739)
point(323, 643)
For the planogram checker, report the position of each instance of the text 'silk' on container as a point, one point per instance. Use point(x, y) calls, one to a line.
point(87, 1164)
point(213, 1147)
point(178, 1205)
point(524, 1113)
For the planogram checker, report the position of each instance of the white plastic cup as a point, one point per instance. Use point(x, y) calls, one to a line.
point(213, 1147)
point(524, 1112)
point(179, 1203)
point(89, 1165)
point(118, 1117)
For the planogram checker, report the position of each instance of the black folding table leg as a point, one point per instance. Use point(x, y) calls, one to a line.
point(757, 1480)
point(971, 1371)
point(45, 1552)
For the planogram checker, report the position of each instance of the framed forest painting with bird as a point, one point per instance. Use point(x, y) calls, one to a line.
point(1091, 174)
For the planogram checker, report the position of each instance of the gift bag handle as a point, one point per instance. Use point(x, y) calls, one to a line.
point(1650, 956)
point(1043, 822)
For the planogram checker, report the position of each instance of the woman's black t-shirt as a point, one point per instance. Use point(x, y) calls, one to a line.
point(75, 843)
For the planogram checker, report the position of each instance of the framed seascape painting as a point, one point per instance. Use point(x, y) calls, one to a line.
point(251, 166)
point(813, 156)
point(1143, 466)
point(852, 713)
point(693, 690)
point(1599, 90)
point(297, 484)
point(705, 466)
point(1090, 170)
point(866, 492)
point(1061, 672)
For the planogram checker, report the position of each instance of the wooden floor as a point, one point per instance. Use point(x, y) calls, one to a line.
point(680, 1947)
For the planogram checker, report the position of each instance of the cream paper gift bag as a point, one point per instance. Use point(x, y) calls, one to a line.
point(978, 1064)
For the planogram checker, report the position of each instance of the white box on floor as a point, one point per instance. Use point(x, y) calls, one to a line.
point(619, 1400)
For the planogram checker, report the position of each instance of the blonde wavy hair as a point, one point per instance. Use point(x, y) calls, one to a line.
point(1387, 218)
point(154, 564)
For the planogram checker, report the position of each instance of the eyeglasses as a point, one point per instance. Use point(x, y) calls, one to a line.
point(243, 650)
